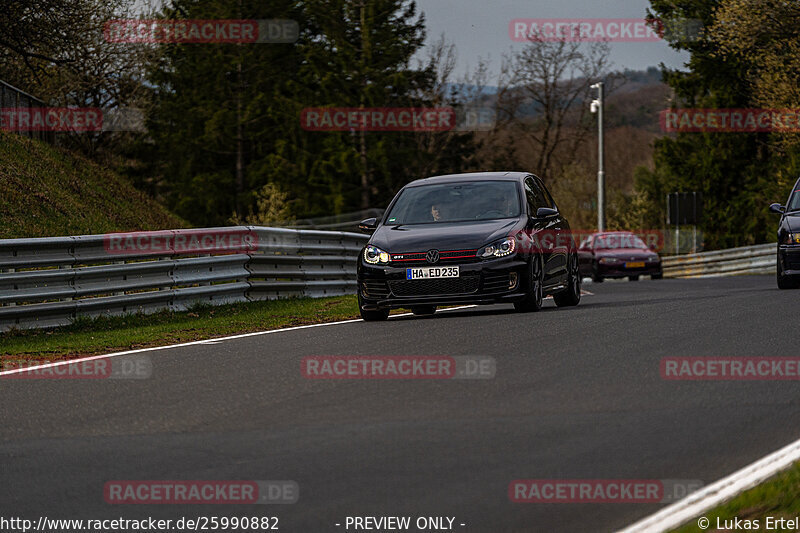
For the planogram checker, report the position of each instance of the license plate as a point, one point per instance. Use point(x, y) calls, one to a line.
point(432, 272)
point(638, 264)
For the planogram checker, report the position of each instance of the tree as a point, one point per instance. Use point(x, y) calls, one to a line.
point(57, 51)
point(734, 171)
point(272, 206)
point(764, 36)
point(549, 79)
point(43, 33)
point(362, 58)
point(437, 152)
point(226, 119)
point(216, 113)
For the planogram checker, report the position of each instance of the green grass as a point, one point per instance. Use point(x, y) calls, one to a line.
point(47, 191)
point(106, 334)
point(778, 497)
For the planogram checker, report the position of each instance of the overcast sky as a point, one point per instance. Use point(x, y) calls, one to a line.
point(480, 28)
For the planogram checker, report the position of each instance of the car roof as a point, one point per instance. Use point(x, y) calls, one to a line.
point(470, 176)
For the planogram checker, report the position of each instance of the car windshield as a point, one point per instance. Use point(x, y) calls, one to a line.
point(618, 240)
point(456, 202)
point(794, 201)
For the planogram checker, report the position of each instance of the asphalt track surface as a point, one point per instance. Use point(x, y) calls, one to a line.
point(577, 395)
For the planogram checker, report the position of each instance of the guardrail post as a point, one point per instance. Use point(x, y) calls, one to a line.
point(124, 278)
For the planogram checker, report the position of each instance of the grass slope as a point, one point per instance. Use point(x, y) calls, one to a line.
point(47, 191)
point(776, 498)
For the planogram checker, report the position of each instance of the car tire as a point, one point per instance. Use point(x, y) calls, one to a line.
point(572, 294)
point(633, 278)
point(423, 310)
point(597, 278)
point(785, 282)
point(534, 292)
point(660, 275)
point(377, 315)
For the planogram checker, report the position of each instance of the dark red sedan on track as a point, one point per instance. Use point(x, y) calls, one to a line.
point(617, 254)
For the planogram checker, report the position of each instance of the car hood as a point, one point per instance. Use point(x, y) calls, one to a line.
point(792, 222)
point(628, 254)
point(445, 236)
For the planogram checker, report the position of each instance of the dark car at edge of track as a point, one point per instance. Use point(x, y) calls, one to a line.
point(617, 254)
point(788, 267)
point(466, 239)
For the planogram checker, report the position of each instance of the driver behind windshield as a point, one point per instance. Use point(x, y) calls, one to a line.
point(440, 209)
point(436, 213)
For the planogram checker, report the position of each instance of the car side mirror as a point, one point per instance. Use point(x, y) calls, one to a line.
point(368, 225)
point(777, 208)
point(544, 212)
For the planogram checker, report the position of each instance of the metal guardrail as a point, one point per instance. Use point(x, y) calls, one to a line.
point(758, 259)
point(46, 282)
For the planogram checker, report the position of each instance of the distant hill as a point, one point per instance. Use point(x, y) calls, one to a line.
point(636, 98)
point(638, 101)
point(46, 191)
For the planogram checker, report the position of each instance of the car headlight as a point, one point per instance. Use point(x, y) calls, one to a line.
point(608, 260)
point(500, 248)
point(792, 238)
point(654, 259)
point(374, 255)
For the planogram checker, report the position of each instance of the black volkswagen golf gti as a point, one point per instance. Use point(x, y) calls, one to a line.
point(789, 240)
point(479, 238)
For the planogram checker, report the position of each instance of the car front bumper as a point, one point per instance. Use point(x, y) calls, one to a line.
point(789, 256)
point(484, 282)
point(620, 271)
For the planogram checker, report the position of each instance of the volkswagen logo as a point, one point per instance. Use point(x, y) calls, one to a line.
point(432, 256)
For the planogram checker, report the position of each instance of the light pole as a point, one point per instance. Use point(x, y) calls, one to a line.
point(597, 107)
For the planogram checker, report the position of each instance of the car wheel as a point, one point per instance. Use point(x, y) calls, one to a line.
point(597, 278)
point(534, 295)
point(633, 278)
point(785, 282)
point(423, 310)
point(372, 316)
point(572, 294)
point(660, 275)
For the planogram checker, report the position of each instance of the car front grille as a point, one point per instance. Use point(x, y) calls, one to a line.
point(435, 287)
point(447, 257)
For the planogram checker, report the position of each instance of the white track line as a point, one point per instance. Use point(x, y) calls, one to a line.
point(717, 493)
point(214, 340)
